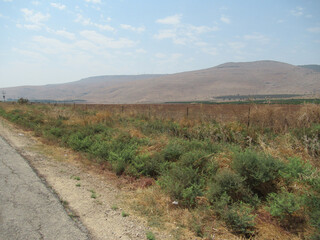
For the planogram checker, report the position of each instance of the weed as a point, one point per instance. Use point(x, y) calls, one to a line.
point(78, 185)
point(150, 236)
point(93, 194)
point(114, 207)
point(124, 214)
point(75, 178)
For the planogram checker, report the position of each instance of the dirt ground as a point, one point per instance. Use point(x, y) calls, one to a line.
point(89, 193)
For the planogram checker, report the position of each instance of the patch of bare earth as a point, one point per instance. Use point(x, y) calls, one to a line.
point(89, 193)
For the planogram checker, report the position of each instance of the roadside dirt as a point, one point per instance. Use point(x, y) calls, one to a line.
point(89, 194)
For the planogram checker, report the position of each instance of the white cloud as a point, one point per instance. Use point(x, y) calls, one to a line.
point(135, 29)
point(184, 33)
point(236, 45)
point(297, 12)
point(51, 45)
point(160, 55)
point(141, 50)
point(210, 50)
point(172, 20)
point(34, 27)
point(93, 1)
point(105, 27)
point(36, 3)
point(106, 42)
point(58, 6)
point(62, 33)
point(84, 21)
point(35, 18)
point(225, 19)
point(314, 29)
point(257, 37)
point(87, 22)
point(30, 54)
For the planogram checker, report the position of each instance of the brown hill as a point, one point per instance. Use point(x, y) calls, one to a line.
point(251, 78)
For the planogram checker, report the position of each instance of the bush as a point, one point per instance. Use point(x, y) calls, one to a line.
point(313, 207)
point(79, 142)
point(284, 205)
point(258, 169)
point(23, 101)
point(296, 169)
point(227, 182)
point(148, 166)
point(240, 219)
point(173, 151)
point(182, 183)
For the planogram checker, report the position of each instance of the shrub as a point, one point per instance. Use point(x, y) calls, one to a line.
point(100, 149)
point(23, 101)
point(240, 219)
point(284, 205)
point(118, 163)
point(182, 183)
point(227, 182)
point(296, 169)
point(194, 159)
point(79, 142)
point(258, 169)
point(148, 166)
point(312, 203)
point(173, 151)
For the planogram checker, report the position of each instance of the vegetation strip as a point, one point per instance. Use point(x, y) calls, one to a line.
point(240, 171)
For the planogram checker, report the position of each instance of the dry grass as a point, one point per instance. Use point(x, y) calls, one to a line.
point(157, 206)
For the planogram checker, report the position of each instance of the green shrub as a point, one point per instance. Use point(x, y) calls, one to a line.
point(296, 169)
point(194, 159)
point(148, 166)
point(100, 149)
point(118, 163)
point(258, 169)
point(182, 183)
point(227, 182)
point(312, 203)
point(284, 205)
point(79, 141)
point(173, 151)
point(239, 218)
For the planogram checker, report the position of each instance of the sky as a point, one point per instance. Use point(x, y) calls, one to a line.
point(48, 42)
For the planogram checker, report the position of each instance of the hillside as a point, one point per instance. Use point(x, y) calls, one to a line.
point(261, 77)
point(312, 67)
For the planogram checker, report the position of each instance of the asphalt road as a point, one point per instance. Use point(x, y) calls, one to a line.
point(28, 209)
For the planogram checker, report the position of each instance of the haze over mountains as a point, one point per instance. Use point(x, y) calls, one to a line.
point(247, 78)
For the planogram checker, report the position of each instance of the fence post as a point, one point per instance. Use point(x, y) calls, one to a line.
point(248, 118)
point(187, 112)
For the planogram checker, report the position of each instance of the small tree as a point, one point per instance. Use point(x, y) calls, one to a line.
point(23, 101)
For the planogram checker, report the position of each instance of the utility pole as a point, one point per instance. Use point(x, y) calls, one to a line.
point(4, 95)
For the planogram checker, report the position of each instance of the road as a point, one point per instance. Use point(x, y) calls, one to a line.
point(28, 209)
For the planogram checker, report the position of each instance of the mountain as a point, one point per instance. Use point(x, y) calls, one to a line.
point(312, 67)
point(244, 78)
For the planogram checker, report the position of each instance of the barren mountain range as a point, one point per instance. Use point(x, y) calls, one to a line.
point(245, 78)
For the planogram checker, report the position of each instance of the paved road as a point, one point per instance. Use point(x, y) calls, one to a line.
point(28, 209)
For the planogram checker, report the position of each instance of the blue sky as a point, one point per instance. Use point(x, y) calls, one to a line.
point(45, 42)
